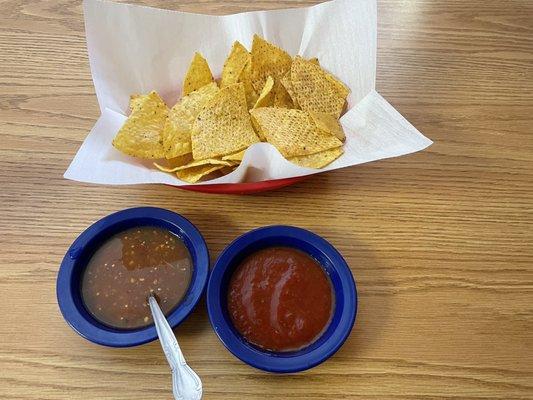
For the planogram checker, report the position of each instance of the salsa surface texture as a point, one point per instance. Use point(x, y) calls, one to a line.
point(130, 266)
point(280, 299)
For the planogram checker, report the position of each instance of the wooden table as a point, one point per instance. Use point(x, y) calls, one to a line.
point(440, 242)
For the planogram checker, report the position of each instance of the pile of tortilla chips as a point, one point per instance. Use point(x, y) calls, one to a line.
point(263, 95)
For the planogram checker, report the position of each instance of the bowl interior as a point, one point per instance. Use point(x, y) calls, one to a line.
point(83, 254)
point(286, 241)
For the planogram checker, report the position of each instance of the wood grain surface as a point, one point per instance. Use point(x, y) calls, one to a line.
point(440, 242)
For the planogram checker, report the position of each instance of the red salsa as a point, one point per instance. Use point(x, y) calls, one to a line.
point(280, 299)
point(129, 267)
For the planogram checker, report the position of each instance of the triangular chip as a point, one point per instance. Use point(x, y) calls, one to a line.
point(246, 79)
point(317, 160)
point(267, 60)
point(193, 175)
point(340, 87)
point(198, 75)
point(315, 89)
point(287, 84)
point(141, 134)
point(177, 131)
point(223, 127)
point(238, 68)
point(235, 156)
point(266, 98)
point(292, 131)
point(207, 161)
point(328, 123)
point(234, 64)
point(282, 98)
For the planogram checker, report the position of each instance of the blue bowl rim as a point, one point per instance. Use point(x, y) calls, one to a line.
point(96, 332)
point(270, 361)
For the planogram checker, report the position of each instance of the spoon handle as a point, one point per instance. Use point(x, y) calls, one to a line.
point(186, 384)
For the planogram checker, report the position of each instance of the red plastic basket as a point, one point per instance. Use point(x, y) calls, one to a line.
point(243, 188)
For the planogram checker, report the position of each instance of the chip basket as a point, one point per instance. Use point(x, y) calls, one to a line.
point(244, 188)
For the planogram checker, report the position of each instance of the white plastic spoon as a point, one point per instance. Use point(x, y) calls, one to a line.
point(186, 384)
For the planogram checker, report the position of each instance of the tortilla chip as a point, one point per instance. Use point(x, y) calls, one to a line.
point(292, 131)
point(282, 98)
point(266, 98)
point(165, 169)
point(198, 75)
point(207, 161)
point(223, 127)
point(193, 175)
point(317, 160)
point(287, 84)
point(235, 156)
point(141, 134)
point(173, 164)
point(258, 131)
point(328, 123)
point(238, 68)
point(267, 60)
point(234, 64)
point(246, 78)
point(177, 130)
point(314, 88)
point(180, 160)
point(340, 87)
point(193, 164)
point(136, 101)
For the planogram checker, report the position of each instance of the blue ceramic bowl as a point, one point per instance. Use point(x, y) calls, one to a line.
point(328, 257)
point(80, 252)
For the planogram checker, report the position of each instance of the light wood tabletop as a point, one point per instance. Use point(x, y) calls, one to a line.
point(439, 242)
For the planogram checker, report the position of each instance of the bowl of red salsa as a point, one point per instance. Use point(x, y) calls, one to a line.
point(110, 270)
point(281, 299)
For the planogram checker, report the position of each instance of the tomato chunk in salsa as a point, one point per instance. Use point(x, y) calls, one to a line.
point(280, 299)
point(130, 266)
